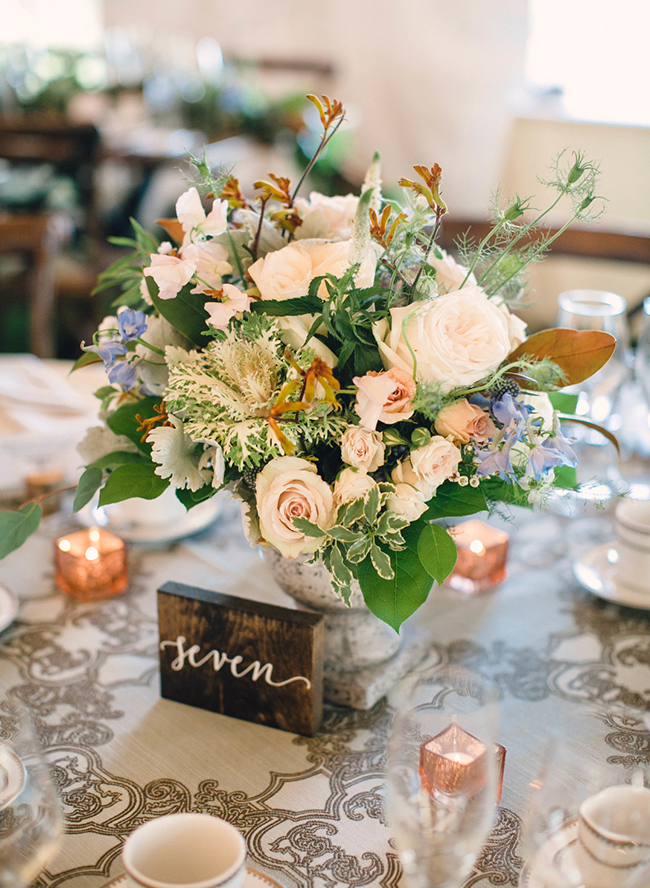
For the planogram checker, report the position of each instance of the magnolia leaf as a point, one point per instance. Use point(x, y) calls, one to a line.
point(15, 527)
point(453, 501)
point(578, 353)
point(173, 228)
point(393, 601)
point(123, 420)
point(133, 480)
point(437, 551)
point(88, 485)
point(579, 420)
point(184, 312)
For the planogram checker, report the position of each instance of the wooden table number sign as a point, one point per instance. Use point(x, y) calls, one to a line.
point(253, 661)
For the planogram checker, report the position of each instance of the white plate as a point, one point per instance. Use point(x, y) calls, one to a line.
point(254, 879)
point(8, 607)
point(12, 775)
point(596, 572)
point(184, 524)
point(566, 836)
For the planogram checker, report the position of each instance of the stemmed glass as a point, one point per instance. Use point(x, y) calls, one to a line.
point(31, 822)
point(441, 801)
point(642, 366)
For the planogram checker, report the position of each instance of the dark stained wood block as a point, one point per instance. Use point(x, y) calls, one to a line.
point(253, 661)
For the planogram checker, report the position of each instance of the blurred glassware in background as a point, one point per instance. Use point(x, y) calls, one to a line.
point(441, 816)
point(31, 820)
point(642, 365)
point(598, 475)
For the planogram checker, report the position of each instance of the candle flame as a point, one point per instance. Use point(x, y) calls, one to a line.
point(94, 535)
point(92, 554)
point(477, 547)
point(64, 545)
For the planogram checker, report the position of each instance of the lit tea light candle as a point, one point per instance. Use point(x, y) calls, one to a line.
point(482, 555)
point(90, 564)
point(454, 761)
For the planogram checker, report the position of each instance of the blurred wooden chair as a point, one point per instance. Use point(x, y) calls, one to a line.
point(39, 237)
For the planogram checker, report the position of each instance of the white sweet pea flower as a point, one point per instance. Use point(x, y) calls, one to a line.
point(165, 248)
point(233, 303)
point(211, 260)
point(191, 215)
point(174, 451)
point(170, 273)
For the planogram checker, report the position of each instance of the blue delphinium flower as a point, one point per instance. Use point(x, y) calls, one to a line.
point(496, 462)
point(558, 442)
point(123, 373)
point(107, 351)
point(541, 460)
point(513, 415)
point(132, 324)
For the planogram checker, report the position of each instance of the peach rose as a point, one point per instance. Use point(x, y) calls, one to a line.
point(407, 501)
point(362, 449)
point(328, 217)
point(289, 487)
point(428, 466)
point(465, 422)
point(384, 397)
point(287, 273)
point(351, 485)
point(457, 338)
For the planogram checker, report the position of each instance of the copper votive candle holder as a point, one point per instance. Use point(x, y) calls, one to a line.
point(482, 556)
point(454, 761)
point(90, 564)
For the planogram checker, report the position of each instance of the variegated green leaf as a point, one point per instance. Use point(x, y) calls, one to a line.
point(371, 508)
point(358, 551)
point(306, 527)
point(381, 562)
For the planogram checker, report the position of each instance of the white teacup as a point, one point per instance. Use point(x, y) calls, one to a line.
point(614, 838)
point(185, 851)
point(633, 544)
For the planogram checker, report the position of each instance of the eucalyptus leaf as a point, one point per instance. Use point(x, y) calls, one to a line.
point(133, 480)
point(437, 552)
point(16, 527)
point(89, 484)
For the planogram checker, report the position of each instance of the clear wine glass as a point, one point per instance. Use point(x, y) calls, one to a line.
point(31, 821)
point(442, 774)
point(642, 365)
point(575, 771)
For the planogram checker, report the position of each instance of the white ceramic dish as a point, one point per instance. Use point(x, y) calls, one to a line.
point(568, 834)
point(183, 525)
point(254, 879)
point(12, 775)
point(8, 607)
point(596, 572)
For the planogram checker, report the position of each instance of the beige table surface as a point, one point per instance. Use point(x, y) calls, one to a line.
point(310, 808)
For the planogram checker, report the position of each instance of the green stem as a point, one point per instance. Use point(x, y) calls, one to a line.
point(323, 144)
point(479, 250)
point(240, 267)
point(153, 348)
point(439, 215)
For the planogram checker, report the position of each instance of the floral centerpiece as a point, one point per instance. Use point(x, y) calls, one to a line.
point(345, 378)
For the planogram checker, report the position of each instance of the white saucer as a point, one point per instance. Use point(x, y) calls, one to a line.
point(8, 607)
point(567, 835)
point(12, 775)
point(254, 879)
point(596, 572)
point(187, 524)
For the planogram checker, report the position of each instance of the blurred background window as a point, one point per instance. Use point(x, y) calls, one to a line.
point(73, 24)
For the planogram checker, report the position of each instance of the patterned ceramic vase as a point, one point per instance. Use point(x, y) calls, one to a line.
point(354, 637)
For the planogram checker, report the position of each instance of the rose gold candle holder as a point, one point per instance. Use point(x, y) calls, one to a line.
point(90, 564)
point(482, 556)
point(454, 761)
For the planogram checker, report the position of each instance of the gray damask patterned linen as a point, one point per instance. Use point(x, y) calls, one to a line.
point(310, 808)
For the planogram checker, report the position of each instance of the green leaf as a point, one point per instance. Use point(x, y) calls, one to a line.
point(106, 391)
point(566, 477)
point(343, 534)
point(563, 402)
point(578, 353)
point(306, 527)
point(371, 508)
point(341, 571)
point(117, 458)
point(496, 490)
point(191, 498)
point(350, 512)
point(85, 359)
point(381, 562)
point(185, 312)
point(358, 551)
point(284, 307)
point(123, 422)
point(133, 480)
point(15, 527)
point(88, 485)
point(393, 601)
point(437, 552)
point(453, 501)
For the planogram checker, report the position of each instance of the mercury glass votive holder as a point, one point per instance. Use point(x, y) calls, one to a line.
point(482, 556)
point(454, 762)
point(90, 564)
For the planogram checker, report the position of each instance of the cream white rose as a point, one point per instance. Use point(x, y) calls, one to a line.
point(407, 501)
point(351, 485)
point(362, 449)
point(449, 274)
point(287, 273)
point(428, 466)
point(289, 487)
point(326, 217)
point(457, 339)
point(294, 330)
